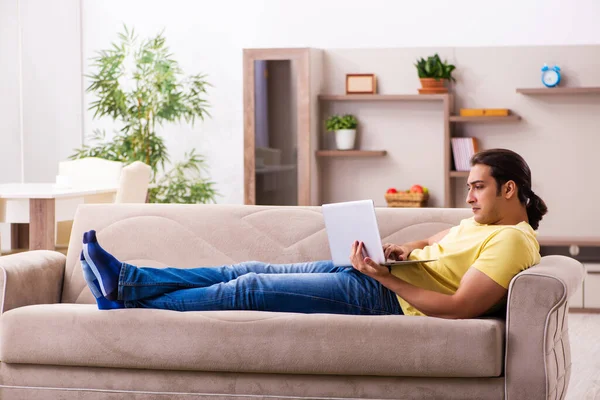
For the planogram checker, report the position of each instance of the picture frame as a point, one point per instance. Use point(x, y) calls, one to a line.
point(361, 84)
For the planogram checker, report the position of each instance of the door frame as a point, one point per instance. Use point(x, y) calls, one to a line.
point(300, 57)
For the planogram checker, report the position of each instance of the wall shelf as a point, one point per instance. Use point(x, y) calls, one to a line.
point(383, 97)
point(266, 169)
point(351, 153)
point(560, 90)
point(491, 119)
point(445, 100)
point(459, 174)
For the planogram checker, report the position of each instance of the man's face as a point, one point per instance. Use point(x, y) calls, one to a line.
point(482, 197)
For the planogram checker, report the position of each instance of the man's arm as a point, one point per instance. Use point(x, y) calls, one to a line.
point(402, 251)
point(476, 294)
point(505, 254)
point(420, 244)
point(437, 237)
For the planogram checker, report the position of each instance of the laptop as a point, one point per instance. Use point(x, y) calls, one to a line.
point(349, 221)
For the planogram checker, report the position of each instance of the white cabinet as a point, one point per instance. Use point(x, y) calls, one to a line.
point(591, 292)
point(577, 300)
point(587, 252)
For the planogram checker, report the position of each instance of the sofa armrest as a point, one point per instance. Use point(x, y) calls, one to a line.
point(32, 277)
point(538, 358)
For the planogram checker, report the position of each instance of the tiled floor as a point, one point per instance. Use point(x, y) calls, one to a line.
point(584, 334)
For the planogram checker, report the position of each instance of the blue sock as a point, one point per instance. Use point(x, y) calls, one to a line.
point(105, 267)
point(90, 278)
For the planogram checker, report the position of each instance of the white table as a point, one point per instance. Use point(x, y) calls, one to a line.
point(42, 204)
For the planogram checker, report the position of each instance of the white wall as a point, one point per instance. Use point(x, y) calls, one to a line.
point(40, 89)
point(45, 77)
point(52, 98)
point(10, 136)
point(208, 36)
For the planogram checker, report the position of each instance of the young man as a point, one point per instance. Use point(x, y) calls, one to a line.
point(477, 260)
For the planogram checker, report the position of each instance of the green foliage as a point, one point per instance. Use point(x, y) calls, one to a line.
point(140, 85)
point(337, 122)
point(176, 186)
point(126, 149)
point(433, 67)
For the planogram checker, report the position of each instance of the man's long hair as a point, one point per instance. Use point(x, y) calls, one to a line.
point(506, 165)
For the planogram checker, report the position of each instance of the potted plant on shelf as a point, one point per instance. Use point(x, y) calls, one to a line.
point(434, 73)
point(344, 127)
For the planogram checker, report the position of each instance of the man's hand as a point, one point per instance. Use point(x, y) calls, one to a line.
point(395, 252)
point(361, 262)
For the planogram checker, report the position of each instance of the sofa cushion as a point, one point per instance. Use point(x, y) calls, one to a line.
point(252, 341)
point(193, 235)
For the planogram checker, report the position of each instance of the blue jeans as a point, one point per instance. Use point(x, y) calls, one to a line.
point(311, 287)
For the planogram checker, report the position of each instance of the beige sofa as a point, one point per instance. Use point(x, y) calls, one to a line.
point(55, 343)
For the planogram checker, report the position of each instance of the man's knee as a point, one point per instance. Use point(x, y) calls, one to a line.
point(251, 264)
point(249, 277)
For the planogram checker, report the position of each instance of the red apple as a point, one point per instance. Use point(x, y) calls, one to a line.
point(416, 189)
point(392, 190)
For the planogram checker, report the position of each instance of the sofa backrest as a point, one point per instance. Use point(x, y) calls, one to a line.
point(186, 235)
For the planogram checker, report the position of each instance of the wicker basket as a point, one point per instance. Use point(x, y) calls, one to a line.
point(403, 199)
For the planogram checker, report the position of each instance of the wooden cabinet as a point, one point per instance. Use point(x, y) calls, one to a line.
point(277, 155)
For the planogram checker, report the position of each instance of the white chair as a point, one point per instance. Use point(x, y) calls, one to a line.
point(133, 183)
point(80, 172)
point(84, 172)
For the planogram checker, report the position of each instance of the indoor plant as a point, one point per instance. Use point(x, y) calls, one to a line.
point(434, 73)
point(140, 86)
point(344, 127)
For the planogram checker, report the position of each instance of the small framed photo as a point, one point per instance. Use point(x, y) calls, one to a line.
point(361, 84)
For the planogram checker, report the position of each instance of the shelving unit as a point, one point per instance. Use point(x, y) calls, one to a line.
point(447, 103)
point(559, 90)
point(447, 106)
point(431, 121)
point(351, 153)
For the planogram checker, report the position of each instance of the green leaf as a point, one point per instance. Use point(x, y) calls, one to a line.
point(434, 67)
point(156, 92)
point(337, 122)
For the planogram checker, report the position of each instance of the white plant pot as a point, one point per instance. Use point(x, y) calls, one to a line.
point(345, 138)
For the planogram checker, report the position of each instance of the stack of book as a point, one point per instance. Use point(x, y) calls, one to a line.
point(484, 112)
point(462, 150)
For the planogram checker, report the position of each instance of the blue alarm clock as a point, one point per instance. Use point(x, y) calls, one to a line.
point(550, 76)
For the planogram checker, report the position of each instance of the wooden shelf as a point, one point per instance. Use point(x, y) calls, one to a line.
point(490, 119)
point(459, 174)
point(266, 169)
point(383, 97)
point(351, 153)
point(568, 241)
point(560, 90)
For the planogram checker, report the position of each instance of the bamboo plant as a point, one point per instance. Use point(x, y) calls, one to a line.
point(140, 86)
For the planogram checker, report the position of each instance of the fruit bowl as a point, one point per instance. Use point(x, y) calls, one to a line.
point(404, 199)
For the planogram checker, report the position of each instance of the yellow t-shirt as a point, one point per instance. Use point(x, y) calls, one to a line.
point(499, 251)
